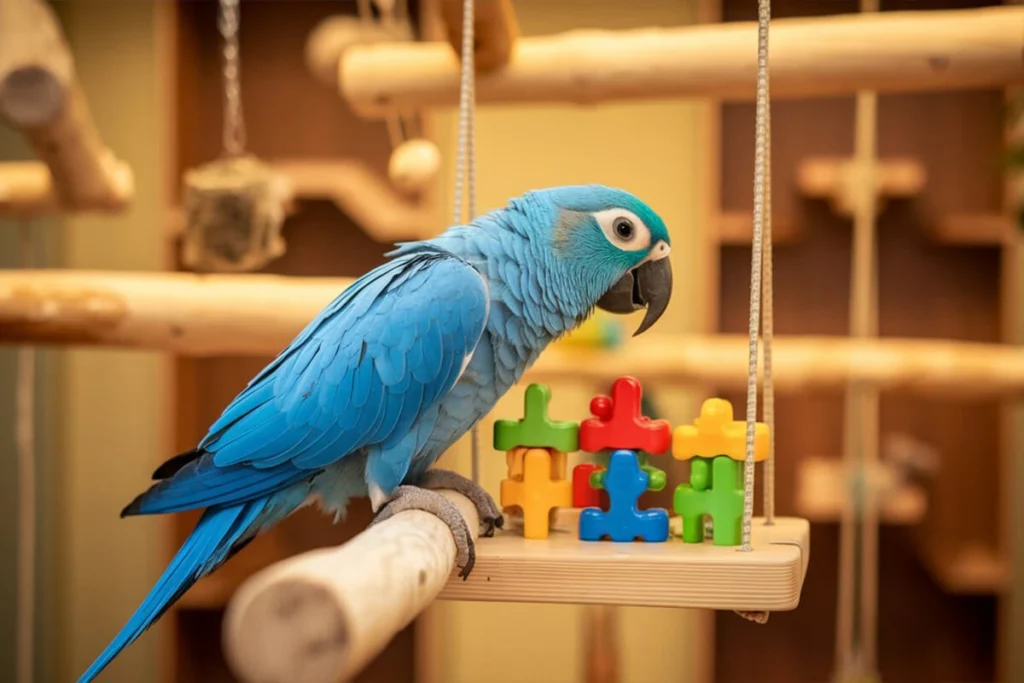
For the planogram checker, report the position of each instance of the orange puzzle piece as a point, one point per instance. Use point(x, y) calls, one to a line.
point(535, 491)
point(716, 433)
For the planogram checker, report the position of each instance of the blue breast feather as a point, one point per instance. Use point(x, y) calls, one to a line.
point(363, 376)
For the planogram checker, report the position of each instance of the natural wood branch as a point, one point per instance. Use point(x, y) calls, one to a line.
point(320, 617)
point(837, 55)
point(40, 96)
point(26, 189)
point(207, 315)
point(363, 195)
point(494, 29)
point(184, 312)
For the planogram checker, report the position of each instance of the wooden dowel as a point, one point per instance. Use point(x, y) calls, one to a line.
point(494, 29)
point(26, 190)
point(182, 312)
point(837, 55)
point(40, 96)
point(257, 315)
point(320, 617)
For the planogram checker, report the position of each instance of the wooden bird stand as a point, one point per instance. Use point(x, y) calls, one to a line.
point(234, 209)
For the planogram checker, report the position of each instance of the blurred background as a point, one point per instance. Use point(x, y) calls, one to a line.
point(949, 607)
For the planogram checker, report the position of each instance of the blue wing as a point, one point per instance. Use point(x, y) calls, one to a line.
point(362, 375)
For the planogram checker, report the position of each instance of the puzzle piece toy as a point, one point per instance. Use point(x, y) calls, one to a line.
point(656, 478)
point(716, 433)
point(536, 493)
point(716, 490)
point(619, 423)
point(514, 461)
point(536, 429)
point(623, 522)
point(584, 493)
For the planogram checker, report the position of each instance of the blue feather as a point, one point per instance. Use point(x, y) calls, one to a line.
point(208, 546)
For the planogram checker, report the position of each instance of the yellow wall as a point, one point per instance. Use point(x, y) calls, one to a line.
point(113, 402)
point(654, 150)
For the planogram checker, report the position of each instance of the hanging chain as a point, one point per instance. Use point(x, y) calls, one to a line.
point(234, 124)
point(760, 165)
point(465, 168)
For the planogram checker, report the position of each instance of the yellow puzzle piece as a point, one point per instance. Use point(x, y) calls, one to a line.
point(535, 491)
point(514, 460)
point(715, 433)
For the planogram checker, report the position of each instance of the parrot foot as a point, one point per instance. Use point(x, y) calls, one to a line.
point(416, 498)
point(490, 514)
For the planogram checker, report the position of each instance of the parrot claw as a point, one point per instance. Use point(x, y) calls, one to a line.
point(416, 498)
point(490, 515)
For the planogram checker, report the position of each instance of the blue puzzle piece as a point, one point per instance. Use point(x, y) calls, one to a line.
point(624, 522)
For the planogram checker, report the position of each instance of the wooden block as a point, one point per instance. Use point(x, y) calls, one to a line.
point(565, 570)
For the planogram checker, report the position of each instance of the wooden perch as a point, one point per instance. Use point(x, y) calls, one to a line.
point(40, 96)
point(320, 617)
point(208, 315)
point(198, 314)
point(494, 29)
point(367, 198)
point(838, 179)
point(26, 189)
point(811, 57)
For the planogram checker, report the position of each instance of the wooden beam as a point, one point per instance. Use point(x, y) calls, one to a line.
point(26, 190)
point(839, 180)
point(494, 29)
point(208, 315)
point(811, 57)
point(40, 96)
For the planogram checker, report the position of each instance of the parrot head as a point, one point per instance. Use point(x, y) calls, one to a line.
point(614, 247)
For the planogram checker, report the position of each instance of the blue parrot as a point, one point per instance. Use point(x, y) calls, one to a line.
point(396, 369)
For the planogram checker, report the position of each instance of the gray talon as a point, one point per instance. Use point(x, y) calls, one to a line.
point(416, 498)
point(490, 513)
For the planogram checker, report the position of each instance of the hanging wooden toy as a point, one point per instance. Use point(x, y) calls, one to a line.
point(236, 205)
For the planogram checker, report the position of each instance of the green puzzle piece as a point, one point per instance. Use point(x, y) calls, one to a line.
point(656, 479)
point(536, 429)
point(715, 489)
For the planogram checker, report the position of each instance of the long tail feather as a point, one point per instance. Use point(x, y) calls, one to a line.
point(216, 537)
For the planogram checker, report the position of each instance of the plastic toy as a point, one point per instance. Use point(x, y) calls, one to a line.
point(619, 423)
point(537, 492)
point(716, 490)
point(536, 429)
point(584, 493)
point(717, 445)
point(624, 522)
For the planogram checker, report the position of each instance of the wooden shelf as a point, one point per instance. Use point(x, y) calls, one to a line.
point(966, 570)
point(821, 490)
point(736, 228)
point(975, 230)
point(563, 569)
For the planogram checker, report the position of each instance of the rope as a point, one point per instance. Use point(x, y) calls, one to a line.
point(768, 328)
point(760, 165)
point(24, 437)
point(465, 169)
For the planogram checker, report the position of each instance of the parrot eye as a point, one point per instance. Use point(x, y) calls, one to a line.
point(624, 229)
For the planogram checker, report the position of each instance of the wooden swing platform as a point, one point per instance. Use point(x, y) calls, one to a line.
point(563, 569)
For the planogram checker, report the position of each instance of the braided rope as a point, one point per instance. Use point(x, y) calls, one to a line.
point(465, 169)
point(760, 165)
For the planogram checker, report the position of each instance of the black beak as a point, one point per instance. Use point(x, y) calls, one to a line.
point(649, 285)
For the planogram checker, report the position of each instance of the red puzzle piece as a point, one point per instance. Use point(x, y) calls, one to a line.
point(583, 496)
point(619, 424)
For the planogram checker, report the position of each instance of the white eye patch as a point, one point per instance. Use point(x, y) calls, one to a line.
point(624, 229)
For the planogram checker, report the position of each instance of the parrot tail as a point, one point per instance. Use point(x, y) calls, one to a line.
point(220, 533)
